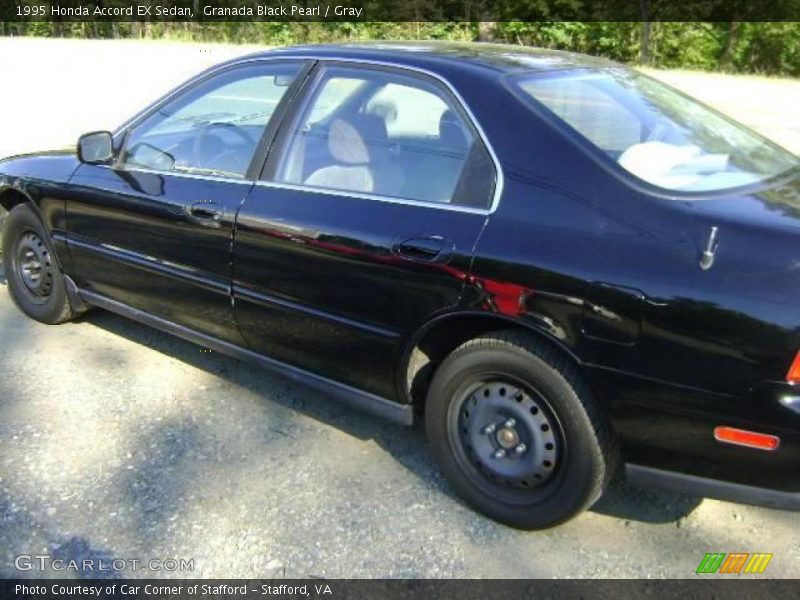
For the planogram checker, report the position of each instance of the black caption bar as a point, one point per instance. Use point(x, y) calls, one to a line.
point(316, 589)
point(208, 11)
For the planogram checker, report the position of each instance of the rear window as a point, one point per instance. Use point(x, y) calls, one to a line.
point(654, 132)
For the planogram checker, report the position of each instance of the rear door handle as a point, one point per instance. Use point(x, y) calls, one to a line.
point(206, 213)
point(425, 249)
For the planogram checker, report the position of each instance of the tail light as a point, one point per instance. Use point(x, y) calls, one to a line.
point(793, 376)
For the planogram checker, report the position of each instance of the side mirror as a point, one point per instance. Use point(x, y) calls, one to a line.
point(95, 148)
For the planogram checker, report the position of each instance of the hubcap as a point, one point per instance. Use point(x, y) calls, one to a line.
point(34, 266)
point(507, 438)
point(508, 434)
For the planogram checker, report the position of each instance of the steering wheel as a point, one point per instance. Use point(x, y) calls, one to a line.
point(205, 135)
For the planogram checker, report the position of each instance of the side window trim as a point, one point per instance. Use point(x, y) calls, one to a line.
point(282, 138)
point(283, 134)
point(122, 135)
point(269, 137)
point(374, 197)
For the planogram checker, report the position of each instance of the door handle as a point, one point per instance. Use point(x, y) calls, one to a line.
point(425, 249)
point(206, 213)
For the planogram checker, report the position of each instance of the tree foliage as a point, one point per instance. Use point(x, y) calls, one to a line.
point(743, 47)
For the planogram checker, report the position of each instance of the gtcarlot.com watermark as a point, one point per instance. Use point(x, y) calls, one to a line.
point(45, 562)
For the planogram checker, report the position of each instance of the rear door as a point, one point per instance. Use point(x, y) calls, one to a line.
point(364, 224)
point(154, 230)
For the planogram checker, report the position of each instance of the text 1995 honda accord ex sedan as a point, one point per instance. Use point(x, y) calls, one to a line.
point(562, 264)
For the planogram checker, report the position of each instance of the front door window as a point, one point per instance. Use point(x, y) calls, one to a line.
point(215, 127)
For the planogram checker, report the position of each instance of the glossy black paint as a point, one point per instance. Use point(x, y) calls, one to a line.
point(598, 265)
point(134, 239)
point(318, 276)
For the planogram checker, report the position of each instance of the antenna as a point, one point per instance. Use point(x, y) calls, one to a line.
point(707, 258)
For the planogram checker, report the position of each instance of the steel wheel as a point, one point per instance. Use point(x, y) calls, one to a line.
point(506, 437)
point(35, 282)
point(34, 266)
point(516, 432)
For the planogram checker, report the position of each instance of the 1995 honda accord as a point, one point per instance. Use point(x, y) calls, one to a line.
point(562, 264)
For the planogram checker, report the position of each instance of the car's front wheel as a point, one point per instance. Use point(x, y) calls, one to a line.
point(35, 281)
point(516, 432)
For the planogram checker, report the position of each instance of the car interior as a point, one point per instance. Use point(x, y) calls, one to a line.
point(353, 149)
point(382, 136)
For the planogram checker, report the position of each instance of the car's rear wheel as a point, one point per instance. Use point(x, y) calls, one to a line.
point(35, 281)
point(516, 432)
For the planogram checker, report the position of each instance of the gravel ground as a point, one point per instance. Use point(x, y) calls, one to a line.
point(117, 441)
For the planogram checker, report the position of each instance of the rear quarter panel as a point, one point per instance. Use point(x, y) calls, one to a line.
point(706, 339)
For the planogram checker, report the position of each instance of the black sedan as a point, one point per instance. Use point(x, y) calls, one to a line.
point(565, 267)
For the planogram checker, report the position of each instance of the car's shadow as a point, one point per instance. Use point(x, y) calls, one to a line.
point(406, 445)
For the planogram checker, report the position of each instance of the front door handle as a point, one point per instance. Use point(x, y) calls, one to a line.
point(206, 213)
point(425, 249)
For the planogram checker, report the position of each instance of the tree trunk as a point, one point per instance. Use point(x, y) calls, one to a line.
point(644, 45)
point(486, 31)
point(726, 60)
point(644, 40)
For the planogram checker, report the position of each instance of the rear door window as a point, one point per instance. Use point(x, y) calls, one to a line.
point(386, 133)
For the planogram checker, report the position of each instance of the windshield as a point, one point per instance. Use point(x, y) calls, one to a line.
point(654, 132)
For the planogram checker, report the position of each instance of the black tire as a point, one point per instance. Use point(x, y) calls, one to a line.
point(35, 281)
point(537, 451)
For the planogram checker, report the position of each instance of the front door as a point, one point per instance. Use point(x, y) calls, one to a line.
point(154, 230)
point(364, 223)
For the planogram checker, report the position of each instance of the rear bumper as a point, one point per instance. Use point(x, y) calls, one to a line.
point(712, 488)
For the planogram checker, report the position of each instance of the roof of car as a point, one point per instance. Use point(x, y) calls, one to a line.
point(498, 57)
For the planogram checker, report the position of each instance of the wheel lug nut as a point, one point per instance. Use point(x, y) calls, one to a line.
point(490, 428)
point(520, 449)
point(500, 453)
point(510, 423)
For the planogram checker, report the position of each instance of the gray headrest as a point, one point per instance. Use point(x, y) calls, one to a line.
point(451, 131)
point(372, 128)
point(350, 141)
point(346, 144)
